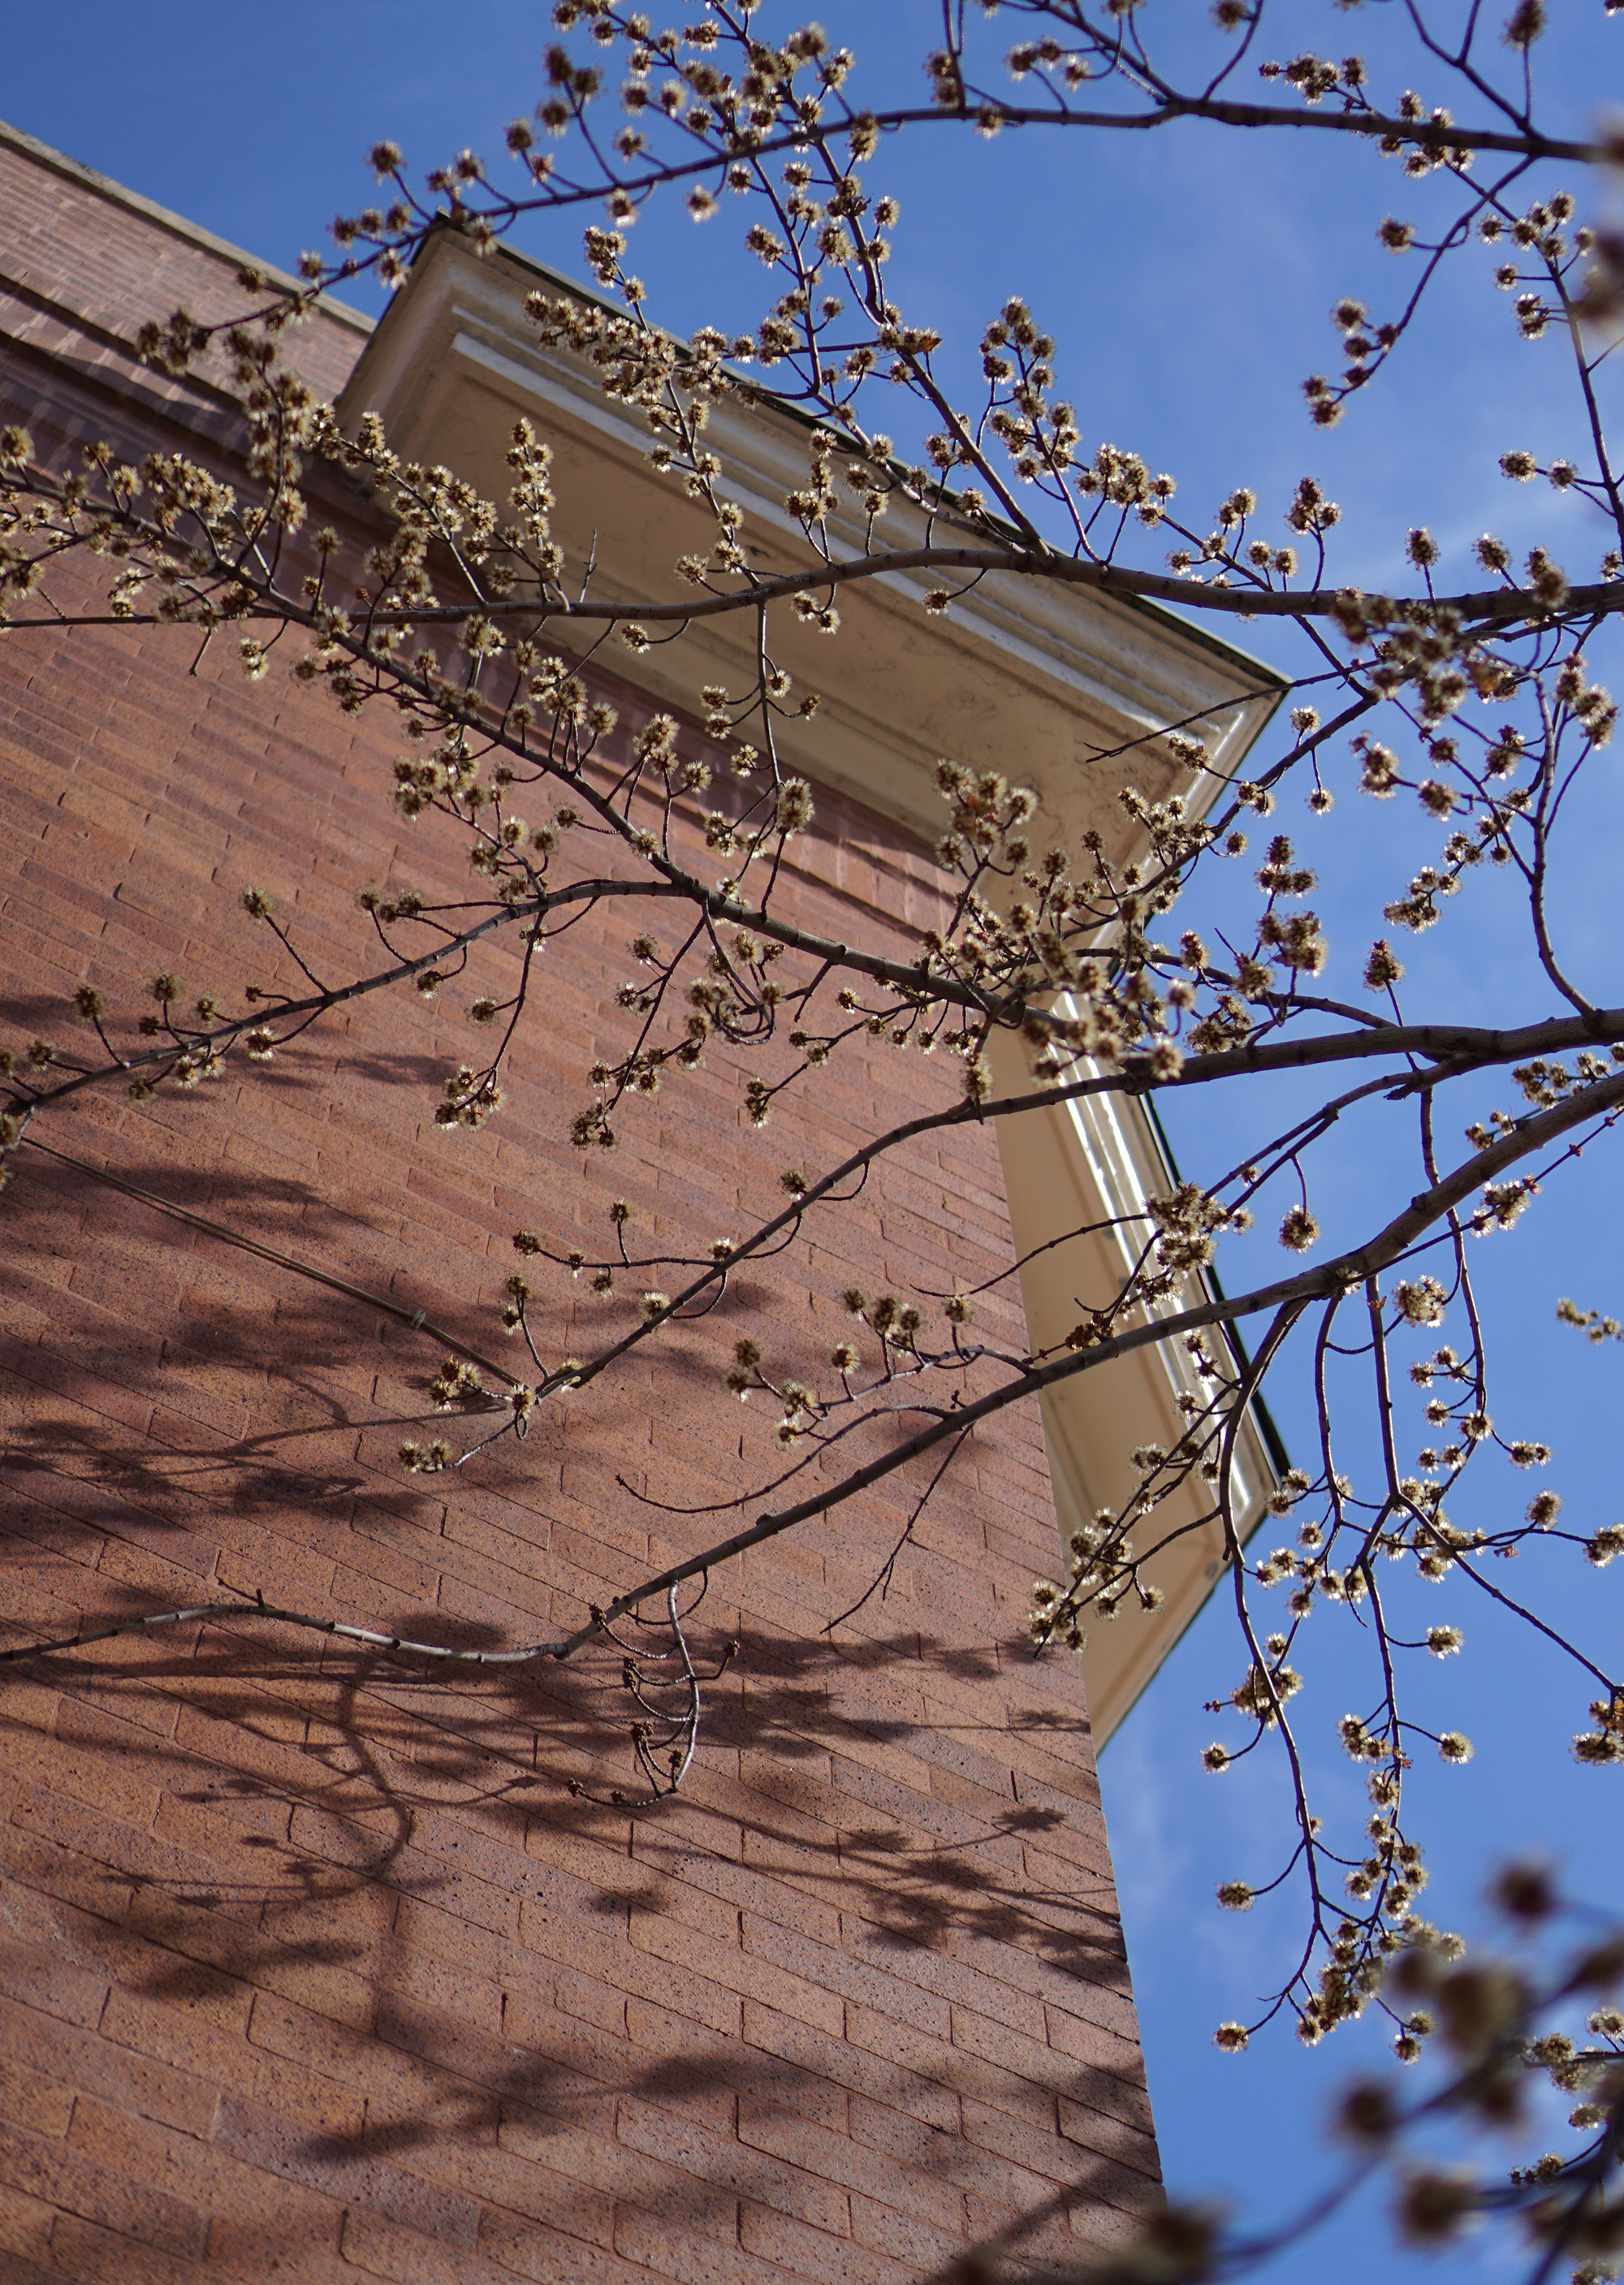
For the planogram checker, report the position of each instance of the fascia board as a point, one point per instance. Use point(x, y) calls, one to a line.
point(1074, 1167)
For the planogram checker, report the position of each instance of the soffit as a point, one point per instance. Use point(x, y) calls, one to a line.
point(1044, 683)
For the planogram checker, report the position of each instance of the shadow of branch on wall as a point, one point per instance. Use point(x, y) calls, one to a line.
point(378, 1846)
point(383, 1869)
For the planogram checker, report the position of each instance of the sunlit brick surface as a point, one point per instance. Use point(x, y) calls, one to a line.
point(312, 1965)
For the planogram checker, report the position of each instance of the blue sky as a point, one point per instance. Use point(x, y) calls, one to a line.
point(1188, 280)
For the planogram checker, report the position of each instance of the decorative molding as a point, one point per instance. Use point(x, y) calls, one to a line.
point(1042, 681)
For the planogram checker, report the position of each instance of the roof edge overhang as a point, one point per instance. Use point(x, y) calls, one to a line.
point(1057, 685)
point(1054, 685)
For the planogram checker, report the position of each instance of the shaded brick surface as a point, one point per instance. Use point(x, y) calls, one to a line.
point(311, 1966)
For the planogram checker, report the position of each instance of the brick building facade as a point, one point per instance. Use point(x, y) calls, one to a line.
point(311, 1964)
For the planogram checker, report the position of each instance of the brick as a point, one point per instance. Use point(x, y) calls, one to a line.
point(216, 1949)
point(905, 2238)
point(36, 1851)
point(855, 2162)
point(1102, 2099)
point(26, 2226)
point(1092, 2044)
point(771, 2236)
point(261, 2138)
point(78, 2186)
point(1012, 2053)
point(731, 2165)
point(90, 2255)
point(835, 1971)
point(701, 2076)
point(890, 2065)
point(377, 2248)
point(315, 1946)
point(543, 2152)
point(1022, 2145)
point(745, 1975)
point(36, 1974)
point(36, 2047)
point(517, 2248)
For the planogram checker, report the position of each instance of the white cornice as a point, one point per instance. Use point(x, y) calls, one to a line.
point(1056, 687)
point(1044, 681)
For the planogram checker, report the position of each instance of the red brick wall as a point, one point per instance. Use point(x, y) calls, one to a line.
point(312, 1965)
point(84, 264)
